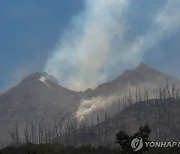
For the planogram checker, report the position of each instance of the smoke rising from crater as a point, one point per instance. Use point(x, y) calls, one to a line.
point(97, 43)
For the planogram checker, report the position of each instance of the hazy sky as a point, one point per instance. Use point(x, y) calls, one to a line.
point(32, 32)
point(29, 31)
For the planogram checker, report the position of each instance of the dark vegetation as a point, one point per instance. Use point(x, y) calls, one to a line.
point(57, 149)
point(30, 148)
point(124, 140)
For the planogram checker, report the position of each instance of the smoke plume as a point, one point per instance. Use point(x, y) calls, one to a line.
point(88, 106)
point(97, 43)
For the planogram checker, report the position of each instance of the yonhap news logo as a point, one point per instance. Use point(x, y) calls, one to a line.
point(137, 144)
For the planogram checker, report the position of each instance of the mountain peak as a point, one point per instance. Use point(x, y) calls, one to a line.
point(34, 77)
point(142, 66)
point(38, 76)
point(145, 68)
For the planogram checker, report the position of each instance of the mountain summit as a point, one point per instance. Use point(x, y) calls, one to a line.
point(142, 67)
point(43, 77)
point(142, 76)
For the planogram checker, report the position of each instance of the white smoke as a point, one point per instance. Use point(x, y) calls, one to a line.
point(90, 49)
point(165, 24)
point(88, 106)
point(97, 42)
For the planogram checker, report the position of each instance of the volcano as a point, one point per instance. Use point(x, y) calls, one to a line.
point(40, 96)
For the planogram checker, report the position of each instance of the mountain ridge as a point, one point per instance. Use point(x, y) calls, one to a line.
point(141, 68)
point(135, 77)
point(35, 98)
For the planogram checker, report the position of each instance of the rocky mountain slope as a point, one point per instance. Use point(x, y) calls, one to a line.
point(36, 97)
